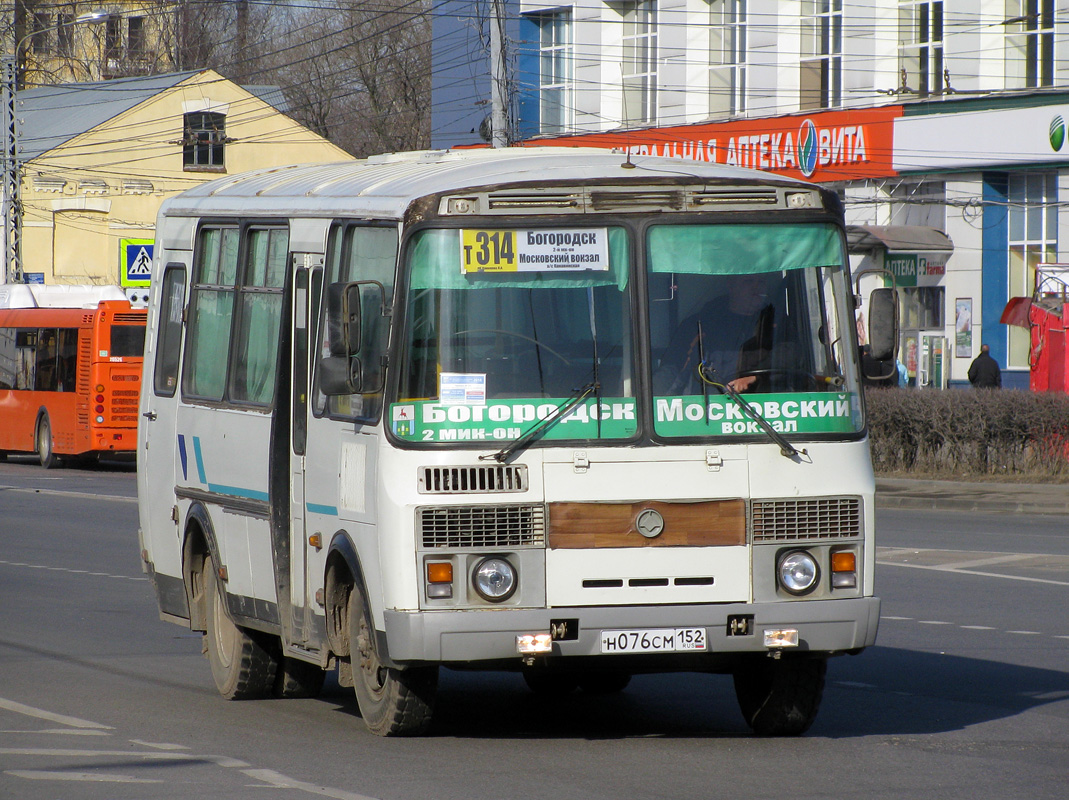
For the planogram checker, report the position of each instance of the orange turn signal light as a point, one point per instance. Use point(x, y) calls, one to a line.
point(843, 562)
point(439, 572)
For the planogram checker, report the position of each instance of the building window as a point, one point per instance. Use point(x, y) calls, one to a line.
point(920, 45)
point(554, 71)
point(727, 57)
point(640, 62)
point(113, 39)
point(65, 34)
point(135, 38)
point(202, 144)
point(1033, 217)
point(821, 81)
point(1029, 43)
point(40, 42)
point(920, 204)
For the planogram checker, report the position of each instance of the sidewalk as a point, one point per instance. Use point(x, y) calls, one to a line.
point(991, 498)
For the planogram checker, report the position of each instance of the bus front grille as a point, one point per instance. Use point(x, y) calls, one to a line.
point(805, 520)
point(481, 526)
point(480, 479)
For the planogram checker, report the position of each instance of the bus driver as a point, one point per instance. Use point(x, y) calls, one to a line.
point(731, 335)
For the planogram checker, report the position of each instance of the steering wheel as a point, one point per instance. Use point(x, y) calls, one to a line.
point(809, 381)
point(530, 339)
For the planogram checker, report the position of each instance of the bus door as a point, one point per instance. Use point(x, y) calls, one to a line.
point(157, 471)
point(306, 287)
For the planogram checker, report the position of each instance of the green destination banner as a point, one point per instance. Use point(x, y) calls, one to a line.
point(505, 420)
point(804, 412)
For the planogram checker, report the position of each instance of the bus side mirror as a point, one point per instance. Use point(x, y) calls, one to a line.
point(343, 318)
point(339, 375)
point(883, 324)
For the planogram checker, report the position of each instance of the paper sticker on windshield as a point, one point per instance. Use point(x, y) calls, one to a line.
point(544, 250)
point(467, 388)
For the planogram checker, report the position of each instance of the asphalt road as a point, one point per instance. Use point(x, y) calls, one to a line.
point(966, 691)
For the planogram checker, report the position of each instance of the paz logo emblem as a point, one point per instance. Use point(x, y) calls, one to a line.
point(649, 523)
point(1057, 133)
point(807, 147)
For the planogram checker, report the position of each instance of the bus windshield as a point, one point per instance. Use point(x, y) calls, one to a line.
point(753, 308)
point(503, 326)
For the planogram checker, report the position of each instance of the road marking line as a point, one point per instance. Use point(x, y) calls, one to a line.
point(971, 572)
point(281, 781)
point(1025, 633)
point(94, 777)
point(978, 628)
point(900, 619)
point(933, 622)
point(58, 732)
point(72, 571)
point(115, 498)
point(62, 719)
point(159, 745)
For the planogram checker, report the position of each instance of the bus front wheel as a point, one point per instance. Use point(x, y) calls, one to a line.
point(45, 451)
point(780, 697)
point(242, 667)
point(393, 701)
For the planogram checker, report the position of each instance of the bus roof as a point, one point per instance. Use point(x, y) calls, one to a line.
point(386, 185)
point(39, 295)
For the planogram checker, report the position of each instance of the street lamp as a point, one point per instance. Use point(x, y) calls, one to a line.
point(12, 173)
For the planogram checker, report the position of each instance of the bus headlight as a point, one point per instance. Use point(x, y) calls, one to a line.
point(797, 572)
point(494, 579)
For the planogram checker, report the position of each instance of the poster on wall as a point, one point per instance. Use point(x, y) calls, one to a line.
point(963, 327)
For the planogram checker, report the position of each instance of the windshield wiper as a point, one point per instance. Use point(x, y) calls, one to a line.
point(786, 449)
point(539, 428)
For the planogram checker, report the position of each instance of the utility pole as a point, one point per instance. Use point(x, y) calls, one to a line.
point(498, 78)
point(12, 184)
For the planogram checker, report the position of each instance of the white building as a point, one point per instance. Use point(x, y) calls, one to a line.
point(926, 114)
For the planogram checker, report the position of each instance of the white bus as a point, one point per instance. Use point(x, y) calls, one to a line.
point(558, 411)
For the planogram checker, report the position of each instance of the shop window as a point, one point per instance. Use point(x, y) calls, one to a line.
point(1033, 218)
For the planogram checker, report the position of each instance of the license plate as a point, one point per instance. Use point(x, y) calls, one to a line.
point(661, 640)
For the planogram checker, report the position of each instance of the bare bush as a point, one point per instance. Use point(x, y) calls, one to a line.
point(969, 433)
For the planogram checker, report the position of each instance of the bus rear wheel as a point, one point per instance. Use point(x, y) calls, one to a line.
point(243, 668)
point(780, 697)
point(394, 701)
point(45, 451)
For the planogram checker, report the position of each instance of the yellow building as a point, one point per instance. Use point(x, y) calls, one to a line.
point(99, 159)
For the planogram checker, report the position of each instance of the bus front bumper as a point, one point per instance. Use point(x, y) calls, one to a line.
point(463, 637)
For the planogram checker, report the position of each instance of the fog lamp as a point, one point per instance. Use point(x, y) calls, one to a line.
point(100, 420)
point(784, 637)
point(494, 579)
point(529, 643)
point(798, 572)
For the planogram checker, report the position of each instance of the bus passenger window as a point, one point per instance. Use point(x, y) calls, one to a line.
point(169, 341)
point(47, 356)
point(26, 359)
point(211, 311)
point(8, 362)
point(260, 309)
point(67, 360)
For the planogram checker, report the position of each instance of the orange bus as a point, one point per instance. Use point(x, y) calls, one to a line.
point(70, 380)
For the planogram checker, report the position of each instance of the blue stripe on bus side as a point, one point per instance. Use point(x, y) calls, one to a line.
point(199, 458)
point(317, 508)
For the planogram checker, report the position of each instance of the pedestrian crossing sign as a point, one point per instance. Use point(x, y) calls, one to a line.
point(136, 256)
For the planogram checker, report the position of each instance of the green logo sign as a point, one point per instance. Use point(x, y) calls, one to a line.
point(1057, 133)
point(505, 420)
point(803, 412)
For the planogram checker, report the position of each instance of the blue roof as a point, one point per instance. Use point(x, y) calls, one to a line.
point(50, 116)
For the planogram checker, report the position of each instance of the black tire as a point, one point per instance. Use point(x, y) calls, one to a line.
point(550, 682)
point(243, 666)
point(296, 678)
point(393, 701)
point(45, 450)
point(780, 697)
point(604, 681)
